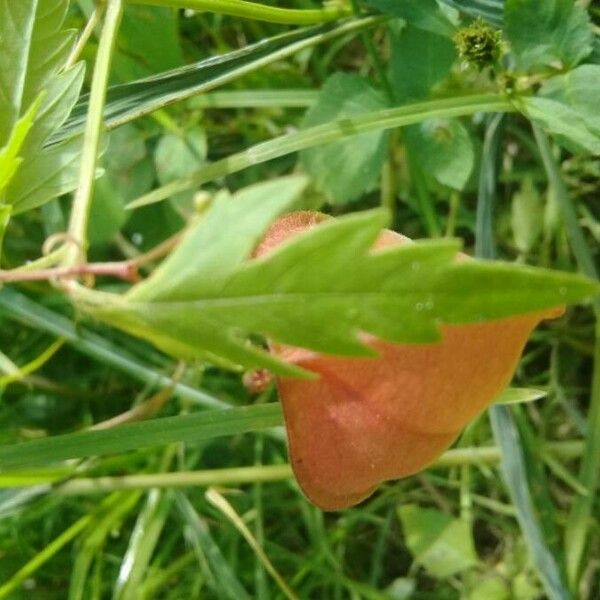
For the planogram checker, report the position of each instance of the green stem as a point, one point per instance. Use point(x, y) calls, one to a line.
point(330, 132)
point(83, 196)
point(258, 12)
point(489, 455)
point(579, 522)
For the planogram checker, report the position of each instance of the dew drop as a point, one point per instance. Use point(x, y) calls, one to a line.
point(419, 306)
point(562, 291)
point(415, 266)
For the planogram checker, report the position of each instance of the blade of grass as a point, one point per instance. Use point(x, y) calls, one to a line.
point(142, 543)
point(505, 431)
point(329, 132)
point(229, 584)
point(183, 428)
point(579, 521)
point(266, 473)
point(95, 538)
point(25, 310)
point(127, 102)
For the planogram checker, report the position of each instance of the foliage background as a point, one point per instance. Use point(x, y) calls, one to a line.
point(455, 531)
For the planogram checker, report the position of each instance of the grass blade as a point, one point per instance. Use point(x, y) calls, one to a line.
point(199, 533)
point(579, 520)
point(21, 308)
point(129, 101)
point(183, 428)
point(503, 425)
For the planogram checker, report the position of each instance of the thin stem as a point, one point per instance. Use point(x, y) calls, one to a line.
point(126, 270)
point(44, 262)
point(258, 12)
point(489, 455)
point(83, 196)
point(85, 35)
point(330, 132)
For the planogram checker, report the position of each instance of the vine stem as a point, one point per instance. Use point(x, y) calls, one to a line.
point(579, 520)
point(76, 250)
point(258, 12)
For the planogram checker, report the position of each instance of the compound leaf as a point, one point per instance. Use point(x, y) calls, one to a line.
point(320, 290)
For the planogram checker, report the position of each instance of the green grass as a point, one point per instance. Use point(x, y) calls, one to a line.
point(197, 503)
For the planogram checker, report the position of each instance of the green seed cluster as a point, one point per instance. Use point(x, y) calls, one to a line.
point(479, 44)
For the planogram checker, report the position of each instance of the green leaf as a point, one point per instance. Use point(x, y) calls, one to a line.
point(137, 53)
point(423, 15)
point(439, 543)
point(33, 49)
point(490, 10)
point(47, 175)
point(567, 106)
point(319, 290)
point(419, 61)
point(127, 102)
point(129, 171)
point(338, 169)
point(31, 68)
point(179, 156)
point(444, 149)
point(553, 33)
point(10, 154)
point(243, 218)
